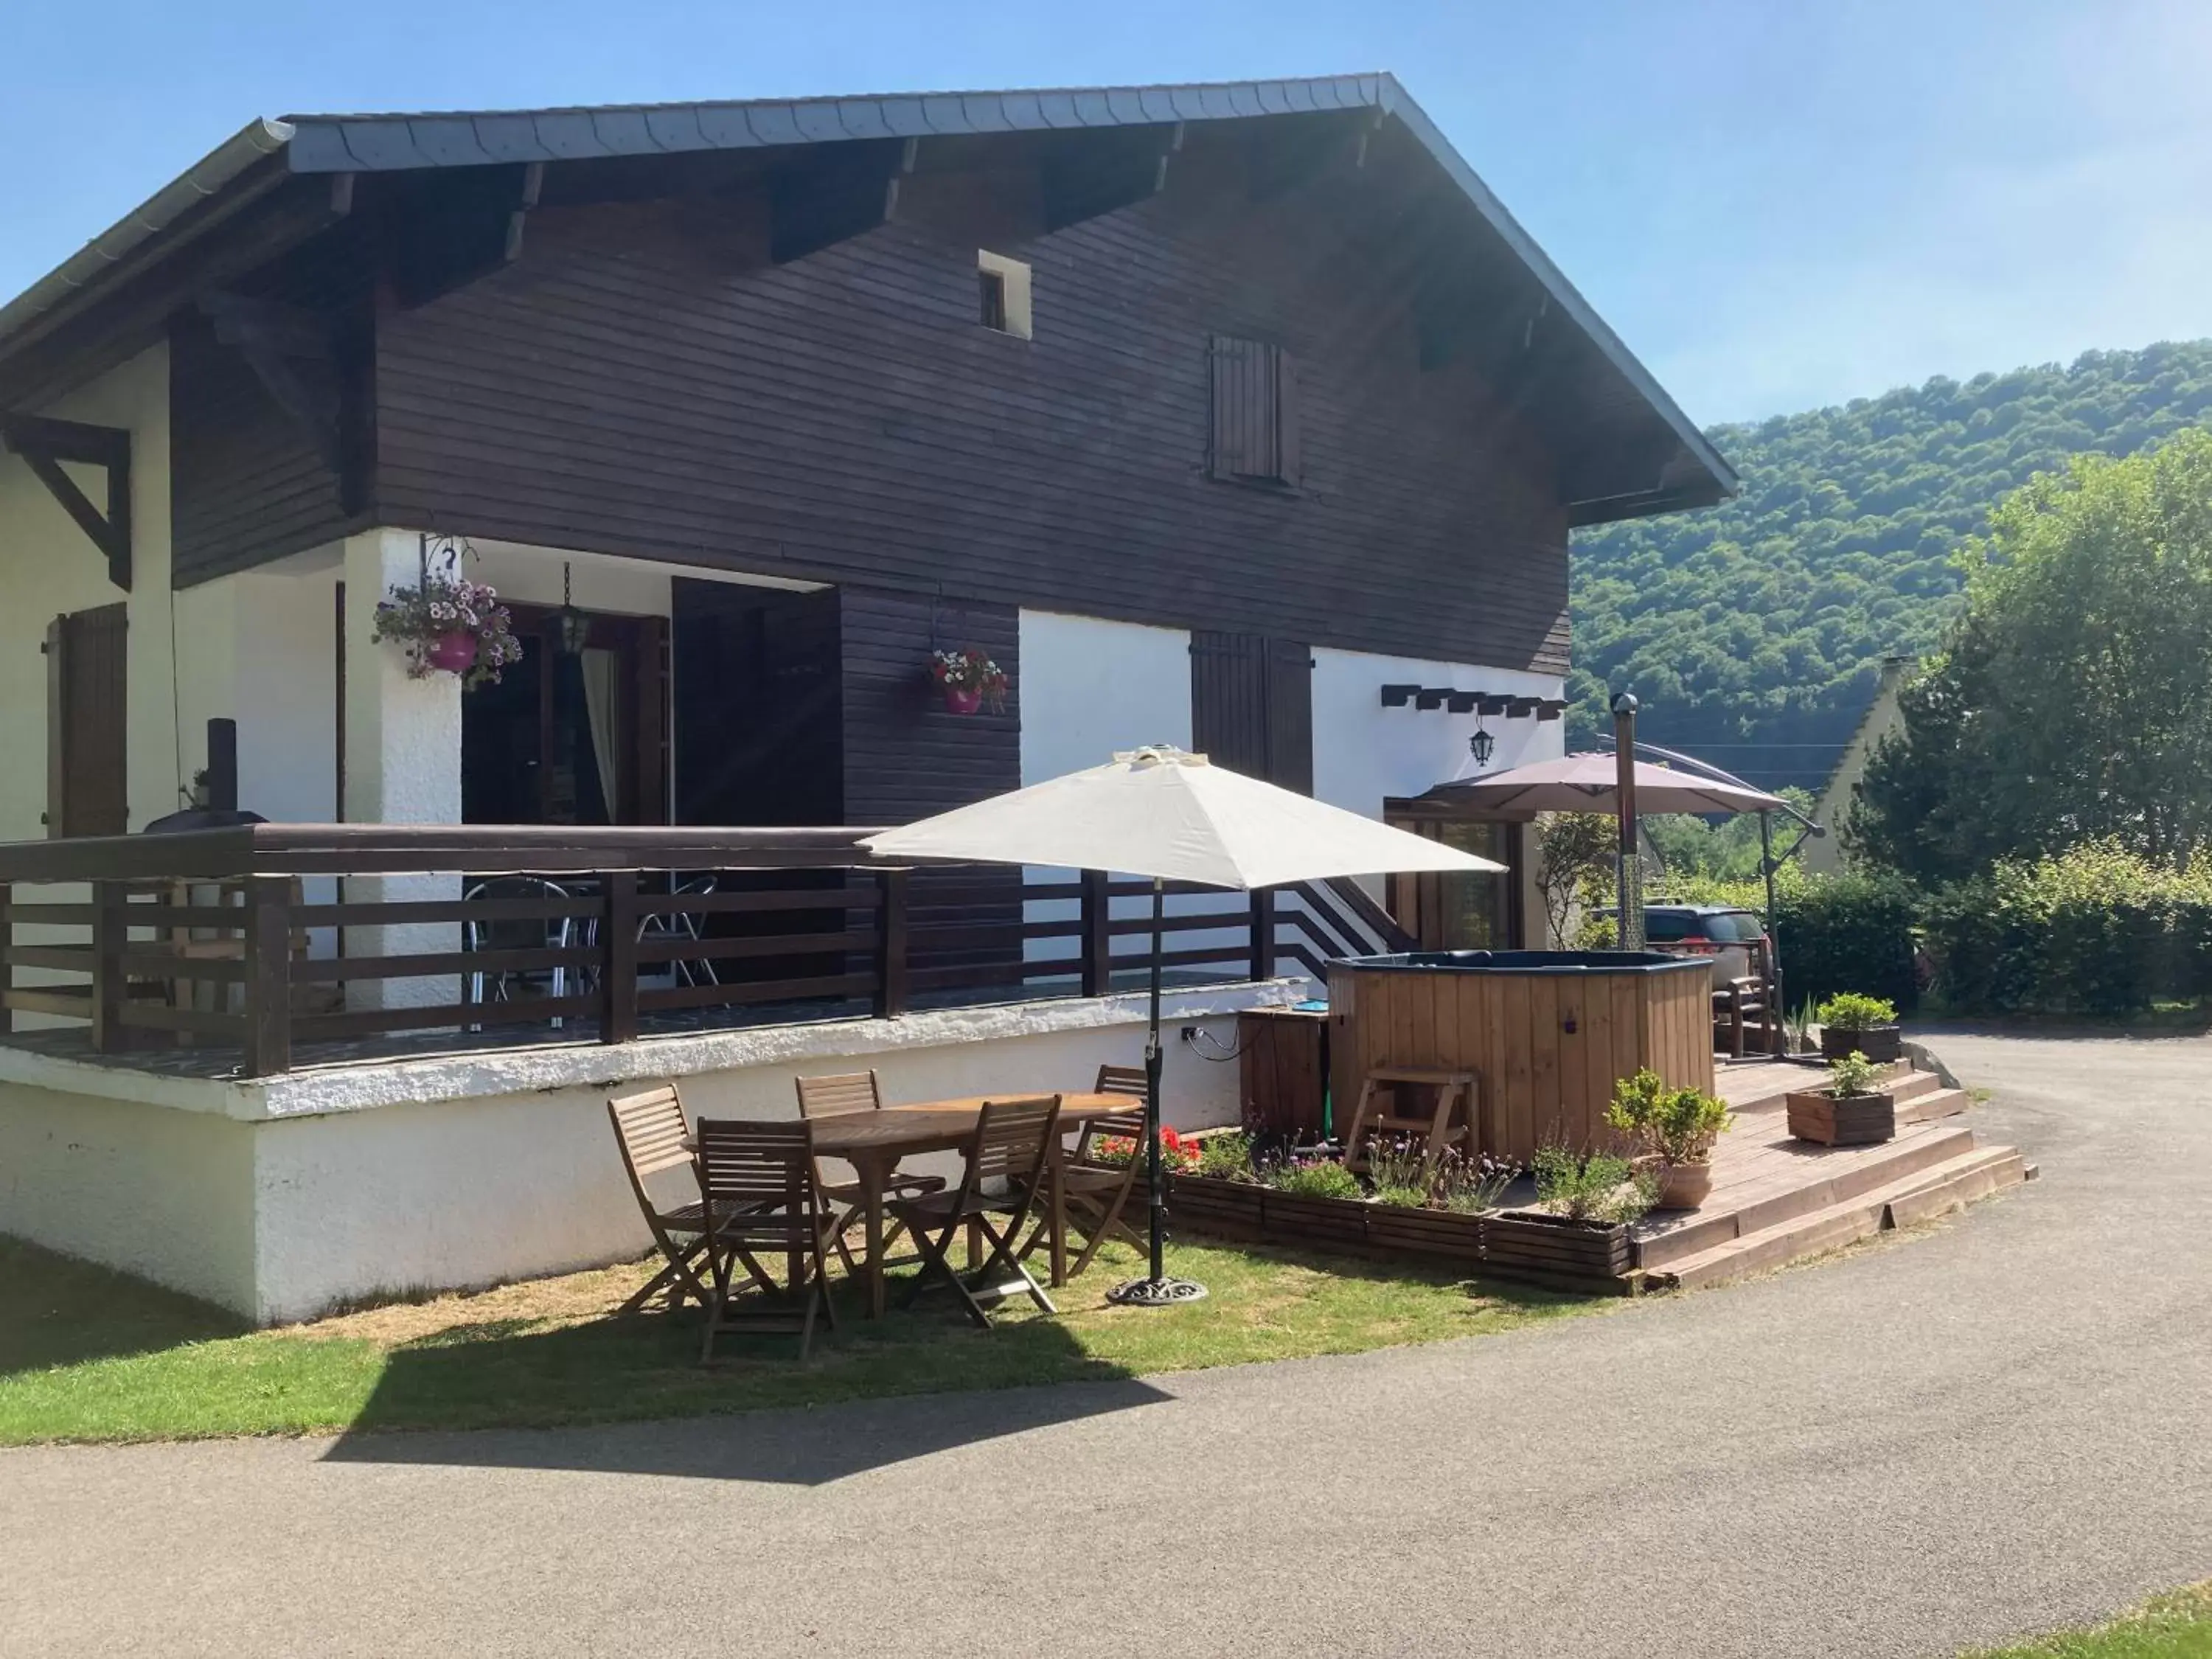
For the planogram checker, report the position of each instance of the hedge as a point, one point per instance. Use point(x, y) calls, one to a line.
point(1848, 933)
point(2096, 930)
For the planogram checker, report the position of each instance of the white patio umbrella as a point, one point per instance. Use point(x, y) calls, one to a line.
point(1174, 816)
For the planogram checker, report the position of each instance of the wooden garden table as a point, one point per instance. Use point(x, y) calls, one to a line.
point(874, 1142)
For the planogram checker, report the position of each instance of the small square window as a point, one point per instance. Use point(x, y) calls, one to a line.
point(1003, 292)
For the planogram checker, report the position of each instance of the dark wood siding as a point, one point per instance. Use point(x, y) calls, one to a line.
point(245, 482)
point(87, 746)
point(642, 382)
point(758, 701)
point(907, 756)
point(1251, 706)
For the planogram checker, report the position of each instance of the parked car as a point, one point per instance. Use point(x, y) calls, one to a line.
point(1734, 939)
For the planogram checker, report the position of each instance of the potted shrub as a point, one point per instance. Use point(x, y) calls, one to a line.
point(449, 625)
point(1677, 1127)
point(1852, 1024)
point(1578, 1232)
point(1851, 1111)
point(969, 679)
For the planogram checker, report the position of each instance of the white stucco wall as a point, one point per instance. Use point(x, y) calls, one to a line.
point(166, 1195)
point(282, 1197)
point(48, 566)
point(1364, 752)
point(1090, 688)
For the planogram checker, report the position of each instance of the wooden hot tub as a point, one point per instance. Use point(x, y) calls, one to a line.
point(1547, 1032)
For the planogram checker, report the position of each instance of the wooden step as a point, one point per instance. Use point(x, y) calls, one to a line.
point(1909, 1086)
point(1829, 1180)
point(1955, 1185)
point(1933, 1190)
point(1929, 1104)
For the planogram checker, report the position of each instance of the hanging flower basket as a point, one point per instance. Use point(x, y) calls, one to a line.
point(970, 680)
point(450, 625)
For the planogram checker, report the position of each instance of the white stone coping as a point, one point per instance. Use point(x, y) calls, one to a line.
point(359, 1085)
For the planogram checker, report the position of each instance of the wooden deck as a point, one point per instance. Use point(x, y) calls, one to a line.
point(1776, 1199)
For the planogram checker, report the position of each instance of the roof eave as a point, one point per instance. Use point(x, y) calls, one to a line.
point(85, 268)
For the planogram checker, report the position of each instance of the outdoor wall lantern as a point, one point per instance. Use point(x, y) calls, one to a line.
point(1481, 745)
point(575, 626)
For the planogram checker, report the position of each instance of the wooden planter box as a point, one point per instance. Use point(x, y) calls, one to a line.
point(1395, 1230)
point(1230, 1208)
point(1861, 1120)
point(1314, 1221)
point(1879, 1043)
point(1549, 1250)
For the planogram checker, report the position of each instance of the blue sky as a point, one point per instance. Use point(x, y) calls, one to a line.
point(1775, 203)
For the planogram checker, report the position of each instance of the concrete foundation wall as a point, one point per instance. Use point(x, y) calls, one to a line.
point(279, 1202)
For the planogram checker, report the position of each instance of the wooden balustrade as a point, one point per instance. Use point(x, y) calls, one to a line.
point(211, 938)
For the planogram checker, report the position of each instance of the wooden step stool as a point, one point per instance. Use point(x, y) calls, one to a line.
point(1451, 1118)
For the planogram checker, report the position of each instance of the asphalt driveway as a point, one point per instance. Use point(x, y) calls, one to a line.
point(2000, 1426)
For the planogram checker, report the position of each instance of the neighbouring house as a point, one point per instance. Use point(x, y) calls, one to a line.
point(1824, 855)
point(1238, 417)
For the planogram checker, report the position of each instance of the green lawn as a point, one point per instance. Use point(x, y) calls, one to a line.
point(86, 1354)
point(2176, 1626)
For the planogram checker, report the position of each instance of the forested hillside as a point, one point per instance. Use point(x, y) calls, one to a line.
point(1751, 632)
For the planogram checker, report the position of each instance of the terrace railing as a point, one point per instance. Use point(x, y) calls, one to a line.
point(270, 939)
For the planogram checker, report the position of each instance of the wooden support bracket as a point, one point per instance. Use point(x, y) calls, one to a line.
point(834, 192)
point(46, 444)
point(1085, 174)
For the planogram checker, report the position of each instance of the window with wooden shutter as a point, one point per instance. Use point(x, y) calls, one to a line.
point(87, 723)
point(1255, 412)
point(1251, 706)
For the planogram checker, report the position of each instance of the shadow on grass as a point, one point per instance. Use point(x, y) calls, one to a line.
point(603, 1382)
point(57, 1310)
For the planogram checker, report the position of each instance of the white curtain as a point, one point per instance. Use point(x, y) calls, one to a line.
point(602, 702)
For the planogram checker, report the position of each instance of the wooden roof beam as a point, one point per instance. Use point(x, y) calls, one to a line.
point(46, 444)
point(1083, 175)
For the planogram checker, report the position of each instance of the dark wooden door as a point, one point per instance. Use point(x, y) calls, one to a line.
point(1251, 706)
point(88, 723)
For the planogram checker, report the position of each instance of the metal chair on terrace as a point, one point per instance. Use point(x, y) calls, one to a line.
point(521, 933)
point(1012, 1143)
point(685, 928)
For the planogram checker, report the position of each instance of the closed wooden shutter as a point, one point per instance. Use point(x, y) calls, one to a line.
point(1255, 424)
point(1251, 706)
point(88, 723)
point(1290, 715)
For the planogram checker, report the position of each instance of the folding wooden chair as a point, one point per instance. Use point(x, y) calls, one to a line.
point(758, 1183)
point(1012, 1142)
point(650, 1129)
point(1120, 1080)
point(841, 1095)
point(1095, 1196)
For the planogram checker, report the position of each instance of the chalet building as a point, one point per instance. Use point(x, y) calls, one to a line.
point(1242, 417)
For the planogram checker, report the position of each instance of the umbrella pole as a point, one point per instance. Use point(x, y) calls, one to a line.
point(1157, 1290)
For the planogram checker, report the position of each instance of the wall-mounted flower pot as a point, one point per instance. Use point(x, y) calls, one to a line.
point(963, 699)
point(1550, 1250)
point(452, 653)
point(1684, 1186)
point(1879, 1043)
point(1852, 1121)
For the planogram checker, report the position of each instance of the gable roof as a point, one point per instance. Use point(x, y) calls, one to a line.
point(335, 144)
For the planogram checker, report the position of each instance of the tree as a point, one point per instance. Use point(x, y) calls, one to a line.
point(1574, 855)
point(2071, 703)
point(1754, 631)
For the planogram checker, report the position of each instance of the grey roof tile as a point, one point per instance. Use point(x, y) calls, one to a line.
point(675, 126)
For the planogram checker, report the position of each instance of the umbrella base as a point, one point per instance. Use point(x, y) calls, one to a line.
point(1155, 1293)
